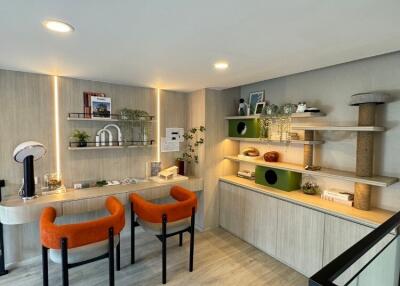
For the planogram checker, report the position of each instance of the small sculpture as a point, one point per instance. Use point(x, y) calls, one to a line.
point(301, 107)
point(271, 156)
point(243, 107)
point(251, 152)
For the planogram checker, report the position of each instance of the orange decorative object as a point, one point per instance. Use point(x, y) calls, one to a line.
point(176, 211)
point(81, 234)
point(272, 156)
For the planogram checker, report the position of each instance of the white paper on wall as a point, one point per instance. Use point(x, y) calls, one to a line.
point(167, 146)
point(174, 134)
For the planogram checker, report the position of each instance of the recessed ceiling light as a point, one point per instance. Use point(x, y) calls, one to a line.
point(221, 65)
point(58, 26)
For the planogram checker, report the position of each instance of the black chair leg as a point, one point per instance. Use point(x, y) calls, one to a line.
point(45, 266)
point(164, 249)
point(119, 254)
point(192, 240)
point(111, 255)
point(180, 238)
point(132, 235)
point(64, 261)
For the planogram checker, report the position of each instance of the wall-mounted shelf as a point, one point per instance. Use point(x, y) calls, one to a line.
point(293, 115)
point(107, 147)
point(379, 181)
point(341, 128)
point(75, 116)
point(265, 141)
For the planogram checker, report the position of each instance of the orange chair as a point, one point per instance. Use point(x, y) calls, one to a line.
point(73, 245)
point(165, 221)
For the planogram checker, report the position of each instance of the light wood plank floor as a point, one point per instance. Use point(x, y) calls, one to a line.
point(220, 259)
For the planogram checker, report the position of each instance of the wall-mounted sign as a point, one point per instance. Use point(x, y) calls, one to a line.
point(169, 146)
point(174, 134)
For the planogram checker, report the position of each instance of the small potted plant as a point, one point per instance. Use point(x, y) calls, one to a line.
point(81, 137)
point(194, 138)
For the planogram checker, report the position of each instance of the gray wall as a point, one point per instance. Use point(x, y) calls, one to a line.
point(330, 89)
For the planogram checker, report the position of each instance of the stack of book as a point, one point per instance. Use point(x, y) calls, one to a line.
point(87, 102)
point(338, 197)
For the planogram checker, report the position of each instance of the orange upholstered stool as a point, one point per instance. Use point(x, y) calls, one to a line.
point(165, 220)
point(73, 245)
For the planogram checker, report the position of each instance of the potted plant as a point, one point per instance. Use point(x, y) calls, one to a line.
point(81, 137)
point(194, 138)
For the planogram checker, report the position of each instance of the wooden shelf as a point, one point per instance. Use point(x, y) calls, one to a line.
point(107, 120)
point(107, 147)
point(341, 128)
point(378, 181)
point(265, 141)
point(372, 217)
point(293, 115)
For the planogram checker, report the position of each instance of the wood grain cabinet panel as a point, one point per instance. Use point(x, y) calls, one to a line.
point(300, 237)
point(232, 209)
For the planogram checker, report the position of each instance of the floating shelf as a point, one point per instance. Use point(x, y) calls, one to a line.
point(265, 141)
point(107, 147)
point(114, 118)
point(293, 115)
point(378, 181)
point(341, 128)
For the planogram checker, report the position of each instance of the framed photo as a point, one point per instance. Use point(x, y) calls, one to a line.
point(259, 107)
point(101, 107)
point(254, 98)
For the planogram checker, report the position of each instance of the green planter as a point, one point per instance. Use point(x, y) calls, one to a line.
point(279, 179)
point(244, 128)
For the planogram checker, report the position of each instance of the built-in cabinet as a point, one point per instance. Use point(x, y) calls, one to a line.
point(301, 237)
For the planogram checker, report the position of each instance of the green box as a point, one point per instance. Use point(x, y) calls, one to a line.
point(244, 128)
point(279, 179)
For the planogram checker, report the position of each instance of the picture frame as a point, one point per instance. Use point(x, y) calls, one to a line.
point(254, 98)
point(259, 108)
point(101, 107)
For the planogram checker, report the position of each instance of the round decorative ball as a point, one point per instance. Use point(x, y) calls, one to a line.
point(271, 156)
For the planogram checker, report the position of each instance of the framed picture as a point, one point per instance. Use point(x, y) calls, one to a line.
point(254, 98)
point(259, 107)
point(101, 107)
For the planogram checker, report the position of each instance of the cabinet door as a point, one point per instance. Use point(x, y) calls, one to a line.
point(231, 209)
point(341, 234)
point(300, 237)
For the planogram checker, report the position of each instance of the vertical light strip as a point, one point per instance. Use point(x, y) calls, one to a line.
point(56, 125)
point(158, 118)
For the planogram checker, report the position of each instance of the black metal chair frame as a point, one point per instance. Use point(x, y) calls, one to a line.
point(163, 238)
point(65, 266)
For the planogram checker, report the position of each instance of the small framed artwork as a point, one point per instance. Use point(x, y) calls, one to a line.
point(259, 108)
point(101, 107)
point(254, 98)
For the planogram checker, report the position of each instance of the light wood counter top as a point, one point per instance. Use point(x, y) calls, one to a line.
point(371, 218)
point(14, 210)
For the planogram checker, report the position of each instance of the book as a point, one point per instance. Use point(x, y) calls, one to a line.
point(87, 102)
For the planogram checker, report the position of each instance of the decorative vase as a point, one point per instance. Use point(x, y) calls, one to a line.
point(181, 167)
point(271, 156)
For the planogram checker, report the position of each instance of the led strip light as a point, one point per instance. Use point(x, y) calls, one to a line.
point(57, 125)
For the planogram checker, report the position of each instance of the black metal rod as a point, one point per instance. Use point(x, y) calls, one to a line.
point(132, 234)
point(119, 253)
point(111, 255)
point(180, 238)
point(45, 266)
point(3, 270)
point(64, 261)
point(192, 239)
point(29, 177)
point(164, 248)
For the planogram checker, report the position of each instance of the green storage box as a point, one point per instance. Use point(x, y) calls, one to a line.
point(280, 179)
point(245, 128)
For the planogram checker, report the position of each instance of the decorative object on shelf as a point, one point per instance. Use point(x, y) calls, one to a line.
point(101, 183)
point(247, 128)
point(243, 107)
point(250, 152)
point(312, 109)
point(343, 198)
point(301, 107)
point(168, 173)
point(294, 136)
point(119, 134)
point(155, 168)
point(26, 153)
point(271, 156)
point(275, 122)
point(287, 109)
point(259, 108)
point(247, 174)
point(52, 181)
point(310, 186)
point(254, 98)
point(101, 107)
point(365, 143)
point(181, 167)
point(276, 178)
point(81, 137)
point(87, 101)
point(270, 110)
point(133, 114)
point(312, 168)
point(101, 136)
point(194, 138)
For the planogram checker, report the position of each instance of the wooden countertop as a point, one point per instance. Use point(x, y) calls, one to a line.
point(372, 218)
point(14, 210)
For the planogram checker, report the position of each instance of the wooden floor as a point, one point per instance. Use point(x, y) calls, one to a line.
point(220, 259)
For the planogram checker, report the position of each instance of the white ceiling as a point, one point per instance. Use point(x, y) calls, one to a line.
point(173, 44)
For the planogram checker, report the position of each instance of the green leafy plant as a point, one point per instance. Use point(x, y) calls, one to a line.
point(133, 114)
point(80, 136)
point(194, 138)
